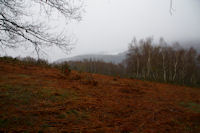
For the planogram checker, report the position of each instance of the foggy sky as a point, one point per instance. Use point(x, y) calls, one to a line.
point(109, 25)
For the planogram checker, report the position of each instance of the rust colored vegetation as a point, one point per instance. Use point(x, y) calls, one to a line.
point(43, 99)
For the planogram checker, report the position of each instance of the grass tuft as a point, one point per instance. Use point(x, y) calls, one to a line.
point(192, 106)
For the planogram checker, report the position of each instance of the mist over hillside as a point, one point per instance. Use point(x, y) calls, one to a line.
point(118, 58)
point(189, 44)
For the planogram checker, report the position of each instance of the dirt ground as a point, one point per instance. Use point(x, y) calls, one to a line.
point(39, 99)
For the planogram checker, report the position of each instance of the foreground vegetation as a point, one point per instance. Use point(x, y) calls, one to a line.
point(40, 98)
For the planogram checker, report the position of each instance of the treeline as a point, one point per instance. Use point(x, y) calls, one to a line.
point(26, 61)
point(98, 66)
point(147, 60)
point(163, 62)
point(29, 61)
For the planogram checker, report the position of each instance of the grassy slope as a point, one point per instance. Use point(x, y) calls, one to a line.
point(37, 99)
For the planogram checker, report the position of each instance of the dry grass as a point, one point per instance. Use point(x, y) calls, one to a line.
point(38, 99)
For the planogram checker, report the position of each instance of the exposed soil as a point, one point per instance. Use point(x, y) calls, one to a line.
point(39, 99)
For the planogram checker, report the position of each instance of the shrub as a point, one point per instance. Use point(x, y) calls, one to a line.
point(8, 59)
point(42, 62)
point(64, 67)
point(89, 79)
point(29, 60)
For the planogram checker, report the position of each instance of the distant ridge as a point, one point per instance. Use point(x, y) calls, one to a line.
point(118, 58)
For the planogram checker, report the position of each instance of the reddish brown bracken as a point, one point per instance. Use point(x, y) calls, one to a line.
point(38, 99)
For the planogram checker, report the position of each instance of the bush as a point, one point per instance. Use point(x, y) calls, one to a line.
point(29, 60)
point(8, 59)
point(42, 62)
point(64, 67)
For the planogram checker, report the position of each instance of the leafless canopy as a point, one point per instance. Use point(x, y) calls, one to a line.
point(18, 27)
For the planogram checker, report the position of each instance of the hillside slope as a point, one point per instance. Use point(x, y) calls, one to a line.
point(39, 99)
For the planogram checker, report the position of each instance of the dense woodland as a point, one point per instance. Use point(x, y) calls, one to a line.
point(98, 66)
point(163, 62)
point(150, 61)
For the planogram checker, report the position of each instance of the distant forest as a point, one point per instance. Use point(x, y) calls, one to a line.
point(150, 61)
point(144, 60)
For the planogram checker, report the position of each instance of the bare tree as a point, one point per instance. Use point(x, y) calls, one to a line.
point(18, 27)
point(148, 49)
point(164, 55)
point(198, 58)
point(163, 62)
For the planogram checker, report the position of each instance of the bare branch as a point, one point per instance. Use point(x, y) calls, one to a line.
point(14, 30)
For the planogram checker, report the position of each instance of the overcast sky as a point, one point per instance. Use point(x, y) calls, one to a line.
point(109, 25)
